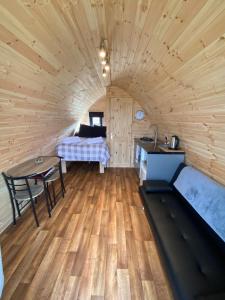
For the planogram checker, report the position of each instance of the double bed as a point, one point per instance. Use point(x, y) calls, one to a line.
point(84, 149)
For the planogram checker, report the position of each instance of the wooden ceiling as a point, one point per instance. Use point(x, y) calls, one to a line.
point(49, 48)
point(168, 54)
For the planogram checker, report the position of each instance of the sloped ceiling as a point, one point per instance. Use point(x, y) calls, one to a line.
point(168, 54)
point(158, 48)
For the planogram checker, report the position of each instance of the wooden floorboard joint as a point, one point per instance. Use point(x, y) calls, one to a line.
point(97, 245)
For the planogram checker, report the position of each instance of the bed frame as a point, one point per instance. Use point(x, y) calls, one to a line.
point(64, 169)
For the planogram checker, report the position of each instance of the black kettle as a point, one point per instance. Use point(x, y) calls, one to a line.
point(174, 143)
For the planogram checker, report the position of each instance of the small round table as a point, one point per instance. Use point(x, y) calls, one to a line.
point(34, 166)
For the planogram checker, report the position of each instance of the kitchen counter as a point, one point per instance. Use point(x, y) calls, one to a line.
point(155, 163)
point(150, 148)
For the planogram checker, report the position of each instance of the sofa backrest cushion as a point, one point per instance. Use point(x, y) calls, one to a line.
point(177, 172)
point(205, 195)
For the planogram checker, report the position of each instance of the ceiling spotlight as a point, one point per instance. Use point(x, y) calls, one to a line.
point(102, 53)
point(104, 62)
point(104, 73)
point(107, 66)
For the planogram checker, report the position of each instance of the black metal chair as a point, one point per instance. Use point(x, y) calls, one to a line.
point(49, 178)
point(22, 192)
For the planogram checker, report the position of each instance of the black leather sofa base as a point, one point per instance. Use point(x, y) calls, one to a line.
point(193, 257)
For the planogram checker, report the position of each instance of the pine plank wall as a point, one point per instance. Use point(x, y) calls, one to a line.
point(28, 127)
point(138, 128)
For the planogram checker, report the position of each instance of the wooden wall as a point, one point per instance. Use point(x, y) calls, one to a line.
point(99, 106)
point(177, 72)
point(28, 127)
point(138, 128)
point(47, 80)
point(169, 55)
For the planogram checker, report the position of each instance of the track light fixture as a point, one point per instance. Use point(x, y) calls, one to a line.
point(104, 55)
point(104, 73)
point(104, 62)
point(102, 50)
point(107, 66)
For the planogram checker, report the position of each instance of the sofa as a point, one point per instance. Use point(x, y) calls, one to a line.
point(187, 217)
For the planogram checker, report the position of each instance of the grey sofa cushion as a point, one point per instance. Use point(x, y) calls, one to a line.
point(205, 195)
point(195, 265)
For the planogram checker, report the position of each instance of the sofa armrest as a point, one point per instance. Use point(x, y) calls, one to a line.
point(156, 186)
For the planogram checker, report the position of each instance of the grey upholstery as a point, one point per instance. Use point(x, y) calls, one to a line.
point(54, 176)
point(192, 252)
point(24, 195)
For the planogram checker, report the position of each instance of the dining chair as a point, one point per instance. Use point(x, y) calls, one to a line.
point(22, 192)
point(50, 177)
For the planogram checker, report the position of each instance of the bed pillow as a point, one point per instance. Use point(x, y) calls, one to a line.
point(99, 131)
point(85, 131)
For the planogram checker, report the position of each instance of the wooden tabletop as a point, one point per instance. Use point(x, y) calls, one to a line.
point(36, 165)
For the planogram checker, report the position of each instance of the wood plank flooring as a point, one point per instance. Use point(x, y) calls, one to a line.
point(97, 245)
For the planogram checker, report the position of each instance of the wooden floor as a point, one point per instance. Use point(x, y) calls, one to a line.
point(97, 245)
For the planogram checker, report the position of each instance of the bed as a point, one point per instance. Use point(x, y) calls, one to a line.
point(84, 149)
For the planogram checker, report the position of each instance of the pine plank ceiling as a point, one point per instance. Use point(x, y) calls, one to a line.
point(159, 49)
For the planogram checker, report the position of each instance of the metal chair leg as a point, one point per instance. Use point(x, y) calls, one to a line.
point(34, 212)
point(18, 208)
point(49, 196)
point(13, 211)
point(53, 191)
point(47, 203)
point(61, 180)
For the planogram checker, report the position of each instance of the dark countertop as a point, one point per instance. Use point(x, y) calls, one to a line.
point(150, 148)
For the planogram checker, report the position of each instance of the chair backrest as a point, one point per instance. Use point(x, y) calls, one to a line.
point(50, 172)
point(15, 184)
